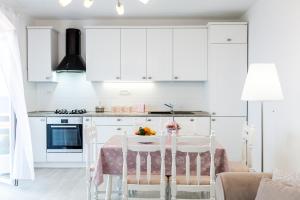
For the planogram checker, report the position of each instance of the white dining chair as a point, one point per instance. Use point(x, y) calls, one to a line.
point(144, 181)
point(247, 148)
point(193, 183)
point(92, 150)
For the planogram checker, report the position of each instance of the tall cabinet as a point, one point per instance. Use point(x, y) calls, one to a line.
point(227, 71)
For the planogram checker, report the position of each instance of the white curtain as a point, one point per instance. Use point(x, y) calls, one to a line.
point(10, 66)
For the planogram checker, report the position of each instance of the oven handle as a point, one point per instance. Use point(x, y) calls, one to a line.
point(53, 126)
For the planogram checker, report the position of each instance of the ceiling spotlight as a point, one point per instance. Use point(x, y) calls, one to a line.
point(88, 3)
point(64, 3)
point(120, 8)
point(144, 1)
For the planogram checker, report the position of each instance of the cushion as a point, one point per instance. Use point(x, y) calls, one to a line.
point(276, 190)
point(238, 167)
point(239, 185)
point(290, 178)
point(181, 180)
point(155, 180)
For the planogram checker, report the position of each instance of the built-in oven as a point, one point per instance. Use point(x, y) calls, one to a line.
point(64, 135)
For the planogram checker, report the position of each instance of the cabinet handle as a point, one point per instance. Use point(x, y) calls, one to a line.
point(213, 113)
point(229, 39)
point(87, 120)
point(213, 120)
point(192, 120)
point(118, 78)
point(42, 120)
point(144, 77)
point(118, 129)
point(149, 120)
point(149, 77)
point(48, 77)
point(176, 77)
point(119, 120)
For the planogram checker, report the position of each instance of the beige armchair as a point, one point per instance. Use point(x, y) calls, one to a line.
point(238, 186)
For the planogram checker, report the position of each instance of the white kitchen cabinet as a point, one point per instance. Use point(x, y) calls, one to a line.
point(133, 54)
point(194, 125)
point(110, 126)
point(190, 54)
point(227, 33)
point(38, 137)
point(159, 54)
point(229, 133)
point(227, 74)
point(103, 54)
point(158, 124)
point(42, 53)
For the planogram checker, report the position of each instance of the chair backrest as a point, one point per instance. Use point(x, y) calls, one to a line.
point(141, 144)
point(90, 144)
point(248, 143)
point(192, 144)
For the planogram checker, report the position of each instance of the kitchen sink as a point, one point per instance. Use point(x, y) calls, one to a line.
point(169, 112)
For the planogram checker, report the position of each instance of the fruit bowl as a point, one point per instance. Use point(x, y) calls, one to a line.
point(145, 132)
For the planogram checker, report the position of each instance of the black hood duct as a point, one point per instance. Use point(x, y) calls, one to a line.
point(73, 61)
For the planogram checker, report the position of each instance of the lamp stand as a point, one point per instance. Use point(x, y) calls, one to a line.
point(262, 135)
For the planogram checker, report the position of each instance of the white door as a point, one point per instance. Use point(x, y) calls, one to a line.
point(103, 54)
point(159, 54)
point(229, 133)
point(190, 54)
point(6, 134)
point(193, 125)
point(39, 142)
point(133, 54)
point(227, 73)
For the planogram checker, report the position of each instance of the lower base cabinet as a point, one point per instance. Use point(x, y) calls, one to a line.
point(38, 138)
point(229, 133)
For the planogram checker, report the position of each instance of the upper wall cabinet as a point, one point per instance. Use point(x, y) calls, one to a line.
point(227, 64)
point(228, 33)
point(103, 54)
point(159, 54)
point(42, 53)
point(190, 54)
point(133, 54)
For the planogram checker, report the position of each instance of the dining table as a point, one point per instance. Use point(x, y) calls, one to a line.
point(110, 160)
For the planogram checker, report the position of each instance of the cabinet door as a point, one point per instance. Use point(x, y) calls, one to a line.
point(103, 54)
point(194, 125)
point(39, 53)
point(38, 138)
point(159, 54)
point(190, 54)
point(228, 34)
point(158, 123)
point(227, 74)
point(104, 133)
point(229, 133)
point(133, 54)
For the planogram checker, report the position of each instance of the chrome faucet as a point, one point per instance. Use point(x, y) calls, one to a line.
point(171, 106)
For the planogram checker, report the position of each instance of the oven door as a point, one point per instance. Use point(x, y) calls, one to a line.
point(64, 138)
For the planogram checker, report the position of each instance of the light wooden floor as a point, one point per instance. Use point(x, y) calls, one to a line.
point(50, 184)
point(56, 184)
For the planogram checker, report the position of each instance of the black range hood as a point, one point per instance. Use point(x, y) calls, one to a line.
point(73, 61)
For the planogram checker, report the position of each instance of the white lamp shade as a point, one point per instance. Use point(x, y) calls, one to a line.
point(262, 84)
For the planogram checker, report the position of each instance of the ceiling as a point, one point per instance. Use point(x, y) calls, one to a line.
point(134, 8)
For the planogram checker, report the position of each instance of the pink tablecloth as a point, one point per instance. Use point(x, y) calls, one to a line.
point(110, 160)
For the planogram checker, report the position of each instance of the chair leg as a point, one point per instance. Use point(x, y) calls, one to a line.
point(108, 188)
point(96, 192)
point(89, 192)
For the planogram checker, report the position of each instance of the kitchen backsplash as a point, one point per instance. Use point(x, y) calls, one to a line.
point(73, 91)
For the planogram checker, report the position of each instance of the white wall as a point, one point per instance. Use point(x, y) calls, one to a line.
point(74, 92)
point(274, 36)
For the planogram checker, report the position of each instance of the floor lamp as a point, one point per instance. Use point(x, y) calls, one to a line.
point(262, 84)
